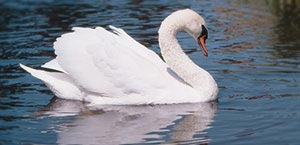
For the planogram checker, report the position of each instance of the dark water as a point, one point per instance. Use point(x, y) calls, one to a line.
point(254, 49)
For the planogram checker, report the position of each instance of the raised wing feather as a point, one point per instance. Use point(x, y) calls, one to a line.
point(53, 64)
point(111, 64)
point(138, 47)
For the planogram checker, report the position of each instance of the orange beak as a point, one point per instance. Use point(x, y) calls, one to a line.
point(201, 42)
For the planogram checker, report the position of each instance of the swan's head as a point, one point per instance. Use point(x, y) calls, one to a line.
point(194, 24)
point(189, 21)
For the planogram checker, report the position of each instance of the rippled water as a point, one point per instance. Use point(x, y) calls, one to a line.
point(254, 56)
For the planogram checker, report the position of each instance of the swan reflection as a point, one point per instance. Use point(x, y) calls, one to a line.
point(132, 124)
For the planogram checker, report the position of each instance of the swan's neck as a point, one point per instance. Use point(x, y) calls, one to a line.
point(179, 62)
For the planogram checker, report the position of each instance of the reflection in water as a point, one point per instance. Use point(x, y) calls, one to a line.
point(146, 124)
point(244, 26)
point(287, 28)
point(279, 20)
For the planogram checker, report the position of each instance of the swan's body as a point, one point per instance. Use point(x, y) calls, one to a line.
point(101, 67)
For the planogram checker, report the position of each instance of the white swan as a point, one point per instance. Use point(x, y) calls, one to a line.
point(102, 67)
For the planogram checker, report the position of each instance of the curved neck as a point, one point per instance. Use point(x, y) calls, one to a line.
point(179, 62)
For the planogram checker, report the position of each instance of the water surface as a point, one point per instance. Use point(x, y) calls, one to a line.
point(253, 55)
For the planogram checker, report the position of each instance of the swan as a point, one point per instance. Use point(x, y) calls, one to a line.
point(111, 68)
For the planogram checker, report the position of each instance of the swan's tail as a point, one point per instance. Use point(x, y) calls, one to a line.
point(59, 83)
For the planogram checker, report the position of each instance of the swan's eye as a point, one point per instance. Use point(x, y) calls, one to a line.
point(204, 32)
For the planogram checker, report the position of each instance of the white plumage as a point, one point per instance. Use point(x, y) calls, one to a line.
point(102, 67)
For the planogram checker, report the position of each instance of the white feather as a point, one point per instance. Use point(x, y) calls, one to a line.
point(53, 64)
point(112, 68)
point(59, 83)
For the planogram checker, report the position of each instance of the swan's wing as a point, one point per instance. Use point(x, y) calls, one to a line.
point(59, 83)
point(138, 47)
point(53, 64)
point(114, 64)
